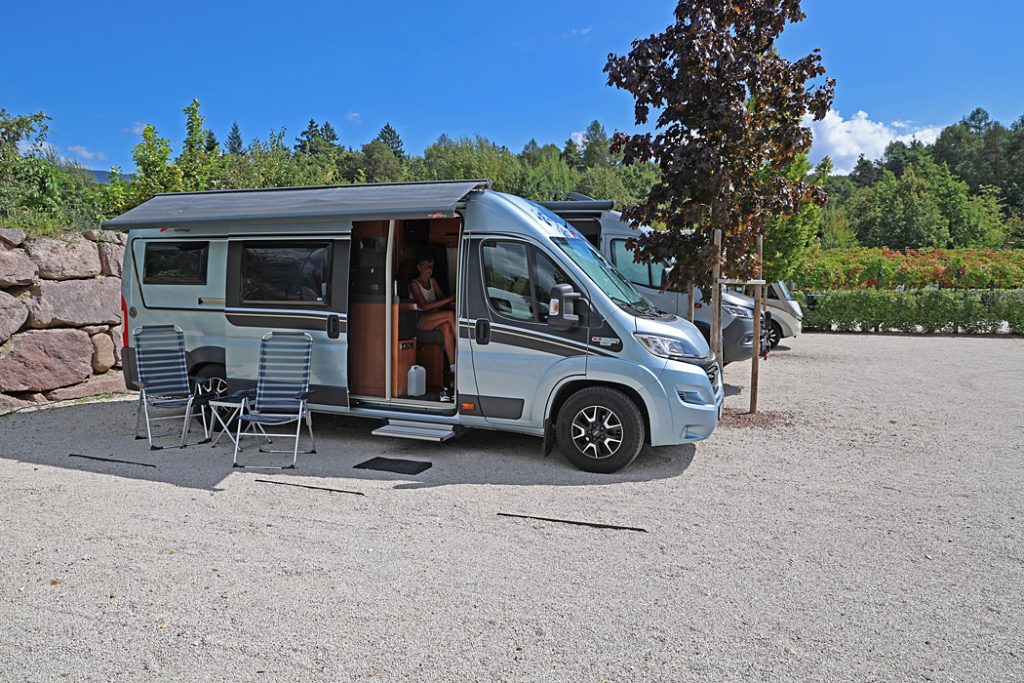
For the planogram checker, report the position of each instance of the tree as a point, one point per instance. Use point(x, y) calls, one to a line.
point(212, 146)
point(787, 239)
point(389, 136)
point(865, 172)
point(153, 170)
point(596, 146)
point(601, 182)
point(195, 161)
point(328, 135)
point(571, 155)
point(304, 144)
point(235, 144)
point(729, 107)
point(899, 213)
point(380, 163)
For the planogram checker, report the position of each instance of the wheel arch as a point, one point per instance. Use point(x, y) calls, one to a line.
point(572, 386)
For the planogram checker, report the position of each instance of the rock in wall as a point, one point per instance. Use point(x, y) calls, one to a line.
point(60, 317)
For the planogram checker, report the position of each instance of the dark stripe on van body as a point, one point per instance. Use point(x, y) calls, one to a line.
point(492, 406)
point(525, 339)
point(284, 321)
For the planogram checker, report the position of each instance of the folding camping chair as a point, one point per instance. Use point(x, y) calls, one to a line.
point(164, 381)
point(282, 389)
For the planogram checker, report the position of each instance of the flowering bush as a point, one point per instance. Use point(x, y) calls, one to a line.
point(862, 267)
point(917, 310)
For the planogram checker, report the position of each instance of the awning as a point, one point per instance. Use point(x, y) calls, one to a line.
point(390, 200)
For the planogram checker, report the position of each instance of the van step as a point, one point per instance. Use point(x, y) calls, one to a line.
point(408, 429)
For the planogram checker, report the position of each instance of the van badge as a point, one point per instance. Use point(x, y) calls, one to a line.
point(605, 341)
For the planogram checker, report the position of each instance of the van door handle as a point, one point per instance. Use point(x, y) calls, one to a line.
point(483, 331)
point(333, 327)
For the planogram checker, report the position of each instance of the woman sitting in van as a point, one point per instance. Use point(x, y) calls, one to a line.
point(431, 299)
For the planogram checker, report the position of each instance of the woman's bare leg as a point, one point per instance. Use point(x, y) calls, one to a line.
point(443, 322)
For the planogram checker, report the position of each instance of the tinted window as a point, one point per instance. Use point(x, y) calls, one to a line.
point(637, 273)
point(175, 263)
point(507, 279)
point(286, 273)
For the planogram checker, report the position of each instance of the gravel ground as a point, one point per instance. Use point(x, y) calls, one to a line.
point(873, 529)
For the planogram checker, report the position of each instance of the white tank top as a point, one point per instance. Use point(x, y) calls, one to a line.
point(429, 295)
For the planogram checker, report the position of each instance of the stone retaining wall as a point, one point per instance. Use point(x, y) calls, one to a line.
point(60, 317)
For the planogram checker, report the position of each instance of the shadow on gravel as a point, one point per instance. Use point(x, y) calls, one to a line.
point(98, 432)
point(732, 389)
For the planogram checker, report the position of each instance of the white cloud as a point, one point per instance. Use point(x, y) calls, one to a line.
point(354, 117)
point(581, 32)
point(579, 137)
point(85, 153)
point(844, 140)
point(138, 127)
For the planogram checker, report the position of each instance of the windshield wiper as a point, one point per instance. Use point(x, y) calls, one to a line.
point(642, 312)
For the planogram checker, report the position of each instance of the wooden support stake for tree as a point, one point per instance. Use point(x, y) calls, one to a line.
point(689, 308)
point(716, 300)
point(756, 359)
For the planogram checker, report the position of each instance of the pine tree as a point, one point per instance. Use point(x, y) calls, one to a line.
point(328, 135)
point(212, 146)
point(305, 142)
point(235, 144)
point(596, 148)
point(389, 136)
point(571, 155)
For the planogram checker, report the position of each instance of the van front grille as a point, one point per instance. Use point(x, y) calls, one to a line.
point(712, 371)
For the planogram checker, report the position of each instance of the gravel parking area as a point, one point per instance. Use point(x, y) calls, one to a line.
point(873, 529)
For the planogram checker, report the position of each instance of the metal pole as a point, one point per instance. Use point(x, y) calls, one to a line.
point(716, 299)
point(689, 309)
point(388, 302)
point(756, 359)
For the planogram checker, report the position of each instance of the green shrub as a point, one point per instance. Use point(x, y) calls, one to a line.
point(919, 310)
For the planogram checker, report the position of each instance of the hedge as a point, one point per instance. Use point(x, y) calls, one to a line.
point(862, 267)
point(921, 310)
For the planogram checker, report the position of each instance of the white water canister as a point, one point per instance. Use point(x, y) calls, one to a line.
point(417, 380)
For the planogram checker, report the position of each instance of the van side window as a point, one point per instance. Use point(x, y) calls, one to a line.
point(548, 275)
point(637, 273)
point(507, 279)
point(175, 263)
point(295, 272)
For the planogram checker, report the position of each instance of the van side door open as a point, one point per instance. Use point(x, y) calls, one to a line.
point(515, 350)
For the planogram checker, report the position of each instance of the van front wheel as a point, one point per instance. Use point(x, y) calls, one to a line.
point(600, 430)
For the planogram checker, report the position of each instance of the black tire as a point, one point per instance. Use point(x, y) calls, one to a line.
point(602, 454)
point(214, 379)
point(774, 334)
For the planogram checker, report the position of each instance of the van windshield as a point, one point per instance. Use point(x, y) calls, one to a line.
point(602, 274)
point(785, 290)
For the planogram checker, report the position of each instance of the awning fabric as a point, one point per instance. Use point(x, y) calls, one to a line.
point(392, 200)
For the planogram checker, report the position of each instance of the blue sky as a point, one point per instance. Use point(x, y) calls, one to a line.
point(509, 71)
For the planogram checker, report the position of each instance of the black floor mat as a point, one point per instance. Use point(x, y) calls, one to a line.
point(394, 465)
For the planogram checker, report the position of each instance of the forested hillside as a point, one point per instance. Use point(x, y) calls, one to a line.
point(966, 189)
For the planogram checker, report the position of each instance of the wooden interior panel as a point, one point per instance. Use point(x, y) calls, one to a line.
point(366, 349)
point(445, 231)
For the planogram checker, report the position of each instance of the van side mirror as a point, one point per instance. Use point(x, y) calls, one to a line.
point(562, 308)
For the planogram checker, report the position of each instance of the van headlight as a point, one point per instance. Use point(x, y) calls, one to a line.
point(673, 348)
point(737, 311)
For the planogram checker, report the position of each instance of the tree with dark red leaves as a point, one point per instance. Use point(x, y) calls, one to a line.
point(729, 113)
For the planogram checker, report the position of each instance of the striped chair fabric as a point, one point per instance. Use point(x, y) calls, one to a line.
point(283, 372)
point(160, 359)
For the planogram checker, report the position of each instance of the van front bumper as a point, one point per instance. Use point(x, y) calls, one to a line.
point(686, 405)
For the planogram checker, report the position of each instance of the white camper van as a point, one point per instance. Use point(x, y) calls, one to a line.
point(551, 340)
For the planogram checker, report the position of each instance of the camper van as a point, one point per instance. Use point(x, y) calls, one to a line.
point(551, 340)
point(604, 228)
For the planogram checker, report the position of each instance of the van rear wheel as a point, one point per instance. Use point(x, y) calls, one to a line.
point(600, 430)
